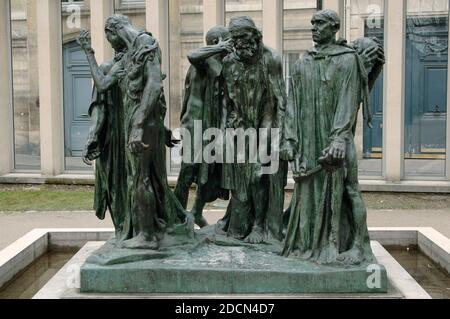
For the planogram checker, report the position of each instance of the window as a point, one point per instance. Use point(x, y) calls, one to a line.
point(425, 121)
point(25, 85)
point(297, 36)
point(134, 9)
point(186, 34)
point(251, 8)
point(77, 83)
point(366, 19)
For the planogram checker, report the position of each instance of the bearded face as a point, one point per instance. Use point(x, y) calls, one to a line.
point(246, 45)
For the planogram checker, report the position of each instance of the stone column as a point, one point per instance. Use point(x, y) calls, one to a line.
point(100, 11)
point(393, 136)
point(6, 113)
point(175, 72)
point(448, 115)
point(157, 16)
point(157, 22)
point(33, 81)
point(213, 14)
point(50, 86)
point(273, 24)
point(332, 4)
point(338, 6)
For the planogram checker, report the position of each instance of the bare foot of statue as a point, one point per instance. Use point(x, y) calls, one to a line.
point(256, 236)
point(140, 242)
point(353, 256)
point(219, 229)
point(200, 221)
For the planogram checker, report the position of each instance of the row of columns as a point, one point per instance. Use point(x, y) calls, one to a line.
point(157, 16)
point(6, 118)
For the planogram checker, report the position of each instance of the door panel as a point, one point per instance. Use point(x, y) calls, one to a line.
point(77, 96)
point(373, 138)
point(426, 88)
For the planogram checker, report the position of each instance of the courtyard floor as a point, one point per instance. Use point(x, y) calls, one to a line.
point(25, 207)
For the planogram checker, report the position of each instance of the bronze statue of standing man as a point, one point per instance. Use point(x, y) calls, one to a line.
point(255, 100)
point(203, 103)
point(148, 207)
point(328, 215)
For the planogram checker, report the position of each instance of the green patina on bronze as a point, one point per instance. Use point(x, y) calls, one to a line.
point(129, 139)
point(327, 222)
point(203, 101)
point(321, 244)
point(255, 98)
point(217, 264)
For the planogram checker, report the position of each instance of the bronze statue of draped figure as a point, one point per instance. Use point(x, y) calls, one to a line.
point(128, 139)
point(203, 103)
point(327, 216)
point(236, 83)
point(235, 86)
point(255, 99)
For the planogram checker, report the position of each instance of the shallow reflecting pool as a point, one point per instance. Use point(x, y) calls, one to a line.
point(432, 278)
point(32, 279)
point(435, 280)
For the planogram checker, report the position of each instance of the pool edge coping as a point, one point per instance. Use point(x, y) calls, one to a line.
point(23, 252)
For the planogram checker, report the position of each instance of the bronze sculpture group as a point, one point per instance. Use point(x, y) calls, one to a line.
point(236, 83)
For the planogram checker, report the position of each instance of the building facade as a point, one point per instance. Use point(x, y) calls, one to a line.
point(46, 86)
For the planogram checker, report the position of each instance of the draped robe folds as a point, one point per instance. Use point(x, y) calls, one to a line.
point(203, 102)
point(257, 95)
point(110, 177)
point(125, 182)
point(326, 90)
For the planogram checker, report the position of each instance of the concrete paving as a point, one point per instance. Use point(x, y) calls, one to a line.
point(15, 225)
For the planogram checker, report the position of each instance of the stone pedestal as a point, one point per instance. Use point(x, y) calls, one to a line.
point(215, 269)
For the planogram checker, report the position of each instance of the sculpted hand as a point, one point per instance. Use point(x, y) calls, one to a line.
point(171, 142)
point(369, 57)
point(89, 158)
point(381, 56)
point(337, 151)
point(373, 56)
point(92, 151)
point(136, 144)
point(333, 156)
point(227, 45)
point(299, 172)
point(83, 40)
point(287, 154)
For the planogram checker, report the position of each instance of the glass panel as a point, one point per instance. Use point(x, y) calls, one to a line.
point(186, 34)
point(134, 9)
point(366, 19)
point(75, 16)
point(251, 8)
point(25, 85)
point(297, 37)
point(426, 87)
